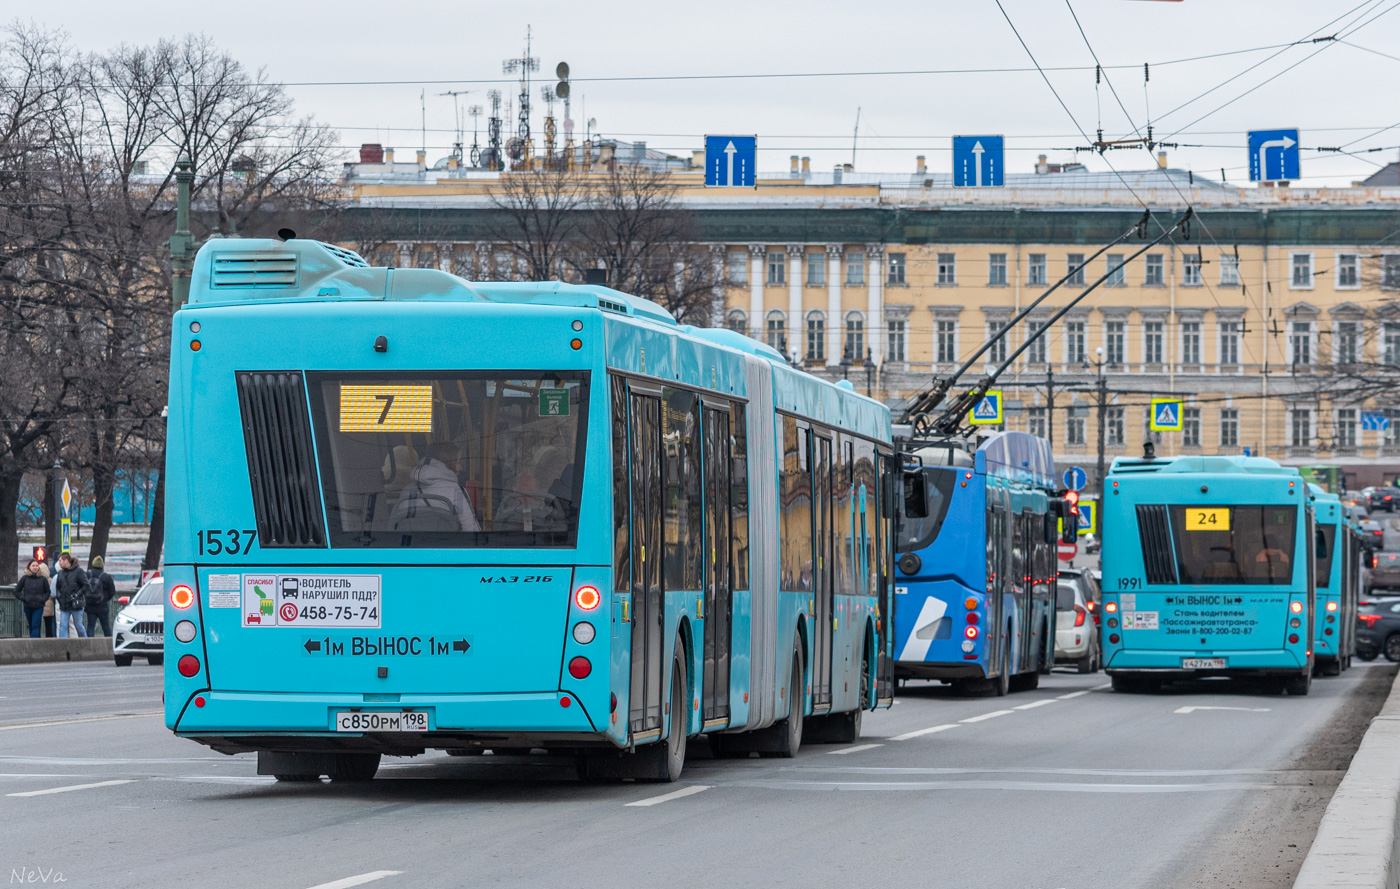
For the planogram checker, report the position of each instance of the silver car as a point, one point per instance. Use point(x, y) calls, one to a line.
point(139, 630)
point(1076, 629)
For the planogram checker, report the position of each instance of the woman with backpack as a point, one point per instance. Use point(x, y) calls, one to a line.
point(101, 591)
point(32, 590)
point(70, 590)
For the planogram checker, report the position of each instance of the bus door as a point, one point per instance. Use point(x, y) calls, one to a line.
point(647, 613)
point(891, 513)
point(822, 487)
point(719, 601)
point(994, 639)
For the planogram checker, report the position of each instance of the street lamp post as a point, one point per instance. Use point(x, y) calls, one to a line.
point(846, 363)
point(869, 371)
point(1101, 388)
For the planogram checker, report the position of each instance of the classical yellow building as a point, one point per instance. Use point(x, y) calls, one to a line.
point(1269, 316)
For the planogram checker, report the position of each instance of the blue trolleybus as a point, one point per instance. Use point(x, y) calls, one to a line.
point(1337, 564)
point(1208, 570)
point(975, 595)
point(407, 512)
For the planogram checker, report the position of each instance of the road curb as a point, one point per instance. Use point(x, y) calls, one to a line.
point(49, 651)
point(1358, 841)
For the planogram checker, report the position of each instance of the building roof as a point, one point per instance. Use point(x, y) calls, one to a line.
point(1389, 175)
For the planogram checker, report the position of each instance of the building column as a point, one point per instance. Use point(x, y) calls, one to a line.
point(874, 310)
point(445, 257)
point(405, 254)
point(482, 272)
point(833, 305)
point(757, 254)
point(795, 327)
point(717, 300)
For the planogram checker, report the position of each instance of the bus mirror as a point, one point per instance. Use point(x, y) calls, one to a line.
point(915, 496)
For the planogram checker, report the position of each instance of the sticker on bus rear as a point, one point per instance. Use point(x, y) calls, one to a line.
point(224, 590)
point(1139, 620)
point(311, 600)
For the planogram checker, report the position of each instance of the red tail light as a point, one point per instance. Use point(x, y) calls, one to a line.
point(579, 668)
point(587, 598)
point(1293, 638)
point(181, 596)
point(1369, 619)
point(970, 632)
point(1079, 613)
point(972, 617)
point(188, 666)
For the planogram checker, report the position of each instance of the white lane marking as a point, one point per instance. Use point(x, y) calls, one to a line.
point(1102, 687)
point(5, 728)
point(358, 880)
point(1073, 694)
point(923, 731)
point(1016, 786)
point(993, 715)
point(71, 787)
point(1033, 704)
point(667, 797)
point(1244, 709)
point(856, 749)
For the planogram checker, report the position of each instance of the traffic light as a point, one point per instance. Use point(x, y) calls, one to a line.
point(1072, 498)
point(1069, 517)
point(40, 554)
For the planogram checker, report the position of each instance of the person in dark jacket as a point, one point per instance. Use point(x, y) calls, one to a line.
point(101, 591)
point(32, 590)
point(70, 590)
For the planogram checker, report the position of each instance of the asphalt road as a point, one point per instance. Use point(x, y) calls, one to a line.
point(1065, 787)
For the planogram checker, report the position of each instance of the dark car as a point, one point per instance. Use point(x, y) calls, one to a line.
point(1378, 629)
point(1372, 534)
point(1386, 498)
point(1385, 571)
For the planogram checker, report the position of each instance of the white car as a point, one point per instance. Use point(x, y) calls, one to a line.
point(139, 630)
point(1076, 631)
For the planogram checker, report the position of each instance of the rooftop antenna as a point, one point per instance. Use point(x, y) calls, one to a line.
point(563, 91)
point(519, 147)
point(854, 137)
point(547, 94)
point(475, 112)
point(423, 105)
point(493, 132)
point(457, 106)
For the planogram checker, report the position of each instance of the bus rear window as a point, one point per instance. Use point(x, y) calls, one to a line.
point(1227, 545)
point(451, 459)
point(1326, 537)
point(917, 533)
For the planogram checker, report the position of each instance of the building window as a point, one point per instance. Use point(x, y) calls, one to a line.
point(1074, 426)
point(384, 258)
point(996, 335)
point(816, 336)
point(738, 268)
point(503, 262)
point(947, 341)
point(1346, 428)
point(1348, 342)
point(1190, 342)
point(1115, 333)
point(1300, 427)
point(1035, 421)
point(1229, 427)
point(947, 268)
point(855, 268)
point(1392, 435)
point(1035, 269)
point(1113, 423)
point(1156, 270)
point(1301, 276)
point(776, 333)
point(1035, 353)
point(737, 321)
point(1190, 270)
point(777, 268)
point(1074, 267)
point(1229, 270)
point(1300, 342)
point(1075, 346)
point(816, 269)
point(427, 258)
point(1390, 343)
point(895, 351)
point(895, 269)
point(855, 337)
point(1390, 271)
point(996, 270)
point(1348, 271)
point(1152, 342)
point(1191, 427)
point(1115, 270)
point(1229, 342)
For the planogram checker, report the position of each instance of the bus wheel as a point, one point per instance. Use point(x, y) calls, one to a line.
point(788, 733)
point(1002, 684)
point(1126, 684)
point(1298, 685)
point(355, 766)
point(1330, 668)
point(1025, 682)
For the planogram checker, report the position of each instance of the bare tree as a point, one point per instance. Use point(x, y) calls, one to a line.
point(537, 216)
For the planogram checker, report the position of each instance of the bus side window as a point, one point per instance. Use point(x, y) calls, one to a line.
point(915, 496)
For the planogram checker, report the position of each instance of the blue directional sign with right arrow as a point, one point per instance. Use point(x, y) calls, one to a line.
point(978, 161)
point(731, 161)
point(1273, 155)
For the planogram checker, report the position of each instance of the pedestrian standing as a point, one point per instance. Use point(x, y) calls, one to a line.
point(32, 590)
point(50, 606)
point(101, 591)
point(70, 590)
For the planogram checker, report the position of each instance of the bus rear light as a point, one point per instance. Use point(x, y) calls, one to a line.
point(188, 666)
point(185, 631)
point(1326, 631)
point(614, 703)
point(584, 632)
point(1113, 637)
point(199, 701)
point(181, 596)
point(1295, 607)
point(1292, 638)
point(579, 668)
point(587, 598)
point(1110, 607)
point(970, 632)
point(970, 603)
point(1331, 606)
point(1079, 613)
point(973, 617)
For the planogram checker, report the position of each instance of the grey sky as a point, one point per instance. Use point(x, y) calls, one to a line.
point(1334, 98)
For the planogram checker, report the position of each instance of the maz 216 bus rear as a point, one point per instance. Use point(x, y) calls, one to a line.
point(1207, 571)
point(409, 512)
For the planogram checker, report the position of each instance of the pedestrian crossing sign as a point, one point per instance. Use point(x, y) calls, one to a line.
point(987, 412)
point(1087, 511)
point(65, 535)
point(1166, 415)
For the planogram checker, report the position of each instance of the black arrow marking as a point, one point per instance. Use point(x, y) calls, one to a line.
point(312, 645)
point(460, 645)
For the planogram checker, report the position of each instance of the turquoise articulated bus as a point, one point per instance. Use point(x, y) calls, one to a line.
point(1208, 570)
point(411, 512)
point(1337, 564)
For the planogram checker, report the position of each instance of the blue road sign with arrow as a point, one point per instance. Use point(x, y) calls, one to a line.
point(1075, 478)
point(731, 161)
point(1273, 155)
point(1374, 421)
point(978, 161)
